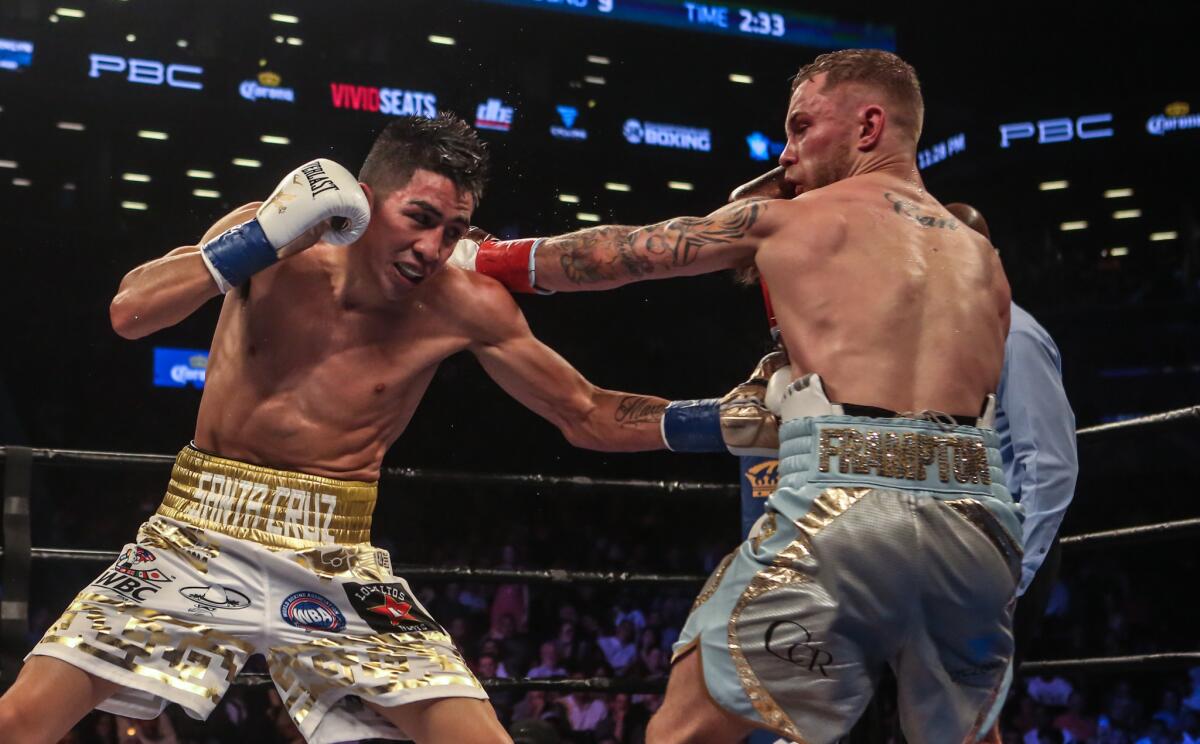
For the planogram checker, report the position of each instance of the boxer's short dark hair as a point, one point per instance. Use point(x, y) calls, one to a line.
point(444, 144)
point(879, 69)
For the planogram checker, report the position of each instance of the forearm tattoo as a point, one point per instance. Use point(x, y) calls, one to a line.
point(633, 410)
point(615, 253)
point(909, 210)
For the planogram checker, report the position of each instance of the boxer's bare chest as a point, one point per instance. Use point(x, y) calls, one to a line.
point(292, 362)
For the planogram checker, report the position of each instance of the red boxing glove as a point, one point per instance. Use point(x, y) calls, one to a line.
point(510, 262)
point(771, 321)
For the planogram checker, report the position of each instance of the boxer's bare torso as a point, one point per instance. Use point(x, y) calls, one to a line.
point(302, 378)
point(319, 362)
point(875, 285)
point(888, 297)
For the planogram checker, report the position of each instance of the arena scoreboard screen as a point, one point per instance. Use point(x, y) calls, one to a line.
point(745, 20)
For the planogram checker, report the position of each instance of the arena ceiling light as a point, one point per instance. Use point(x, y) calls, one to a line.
point(22, 182)
point(1127, 214)
point(1053, 185)
point(274, 139)
point(135, 206)
point(443, 40)
point(181, 43)
point(8, 164)
point(247, 163)
point(71, 126)
point(565, 198)
point(1165, 235)
point(295, 41)
point(587, 217)
point(596, 59)
point(737, 77)
point(152, 134)
point(594, 80)
point(1115, 252)
point(284, 18)
point(197, 173)
point(69, 13)
point(1118, 193)
point(135, 177)
point(616, 186)
point(131, 38)
point(680, 185)
point(1076, 225)
point(206, 193)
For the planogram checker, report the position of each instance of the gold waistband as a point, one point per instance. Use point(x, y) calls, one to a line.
point(277, 508)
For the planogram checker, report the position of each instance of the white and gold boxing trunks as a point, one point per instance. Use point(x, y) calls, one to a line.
point(242, 559)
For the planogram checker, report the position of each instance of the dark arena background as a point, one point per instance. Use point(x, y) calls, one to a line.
point(128, 127)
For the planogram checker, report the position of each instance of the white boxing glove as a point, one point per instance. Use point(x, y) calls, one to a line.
point(778, 382)
point(314, 193)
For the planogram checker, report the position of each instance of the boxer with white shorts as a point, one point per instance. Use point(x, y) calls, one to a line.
point(337, 308)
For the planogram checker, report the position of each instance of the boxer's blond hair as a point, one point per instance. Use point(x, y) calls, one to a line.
point(880, 70)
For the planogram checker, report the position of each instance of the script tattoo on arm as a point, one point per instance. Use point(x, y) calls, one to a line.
point(633, 410)
point(616, 253)
point(909, 210)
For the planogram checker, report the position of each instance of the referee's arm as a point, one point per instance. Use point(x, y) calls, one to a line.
point(1042, 430)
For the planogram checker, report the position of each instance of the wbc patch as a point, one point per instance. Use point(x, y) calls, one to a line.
point(135, 575)
point(389, 608)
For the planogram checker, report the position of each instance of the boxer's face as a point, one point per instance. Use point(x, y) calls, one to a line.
point(414, 228)
point(820, 136)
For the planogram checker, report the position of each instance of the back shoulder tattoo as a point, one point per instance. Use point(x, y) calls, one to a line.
point(910, 211)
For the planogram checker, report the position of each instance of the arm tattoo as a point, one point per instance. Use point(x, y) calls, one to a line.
point(614, 253)
point(909, 210)
point(633, 410)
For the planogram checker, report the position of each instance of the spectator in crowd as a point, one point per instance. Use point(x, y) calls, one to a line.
point(1192, 701)
point(573, 649)
point(511, 599)
point(626, 722)
point(1049, 690)
point(584, 709)
point(619, 648)
point(627, 611)
point(536, 705)
point(487, 667)
point(1074, 722)
point(548, 665)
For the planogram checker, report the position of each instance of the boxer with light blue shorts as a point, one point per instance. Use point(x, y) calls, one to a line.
point(891, 539)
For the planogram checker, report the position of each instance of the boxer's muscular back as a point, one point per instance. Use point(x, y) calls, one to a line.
point(299, 380)
point(883, 293)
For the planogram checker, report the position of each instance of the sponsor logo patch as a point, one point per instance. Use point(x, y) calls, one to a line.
point(208, 599)
point(311, 611)
point(389, 608)
point(134, 575)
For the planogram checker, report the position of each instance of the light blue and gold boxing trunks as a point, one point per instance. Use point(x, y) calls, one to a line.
point(242, 559)
point(888, 541)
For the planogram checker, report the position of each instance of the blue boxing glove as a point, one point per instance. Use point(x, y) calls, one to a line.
point(317, 192)
point(744, 422)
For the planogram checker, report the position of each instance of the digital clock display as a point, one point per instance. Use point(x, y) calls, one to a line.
point(732, 19)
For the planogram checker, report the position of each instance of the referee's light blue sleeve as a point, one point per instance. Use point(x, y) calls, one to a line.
point(1042, 428)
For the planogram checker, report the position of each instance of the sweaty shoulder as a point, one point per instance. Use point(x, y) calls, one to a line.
point(478, 306)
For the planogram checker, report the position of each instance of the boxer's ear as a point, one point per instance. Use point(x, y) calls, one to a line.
point(871, 121)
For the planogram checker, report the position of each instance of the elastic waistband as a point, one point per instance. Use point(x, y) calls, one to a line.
point(853, 409)
point(277, 508)
point(896, 453)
